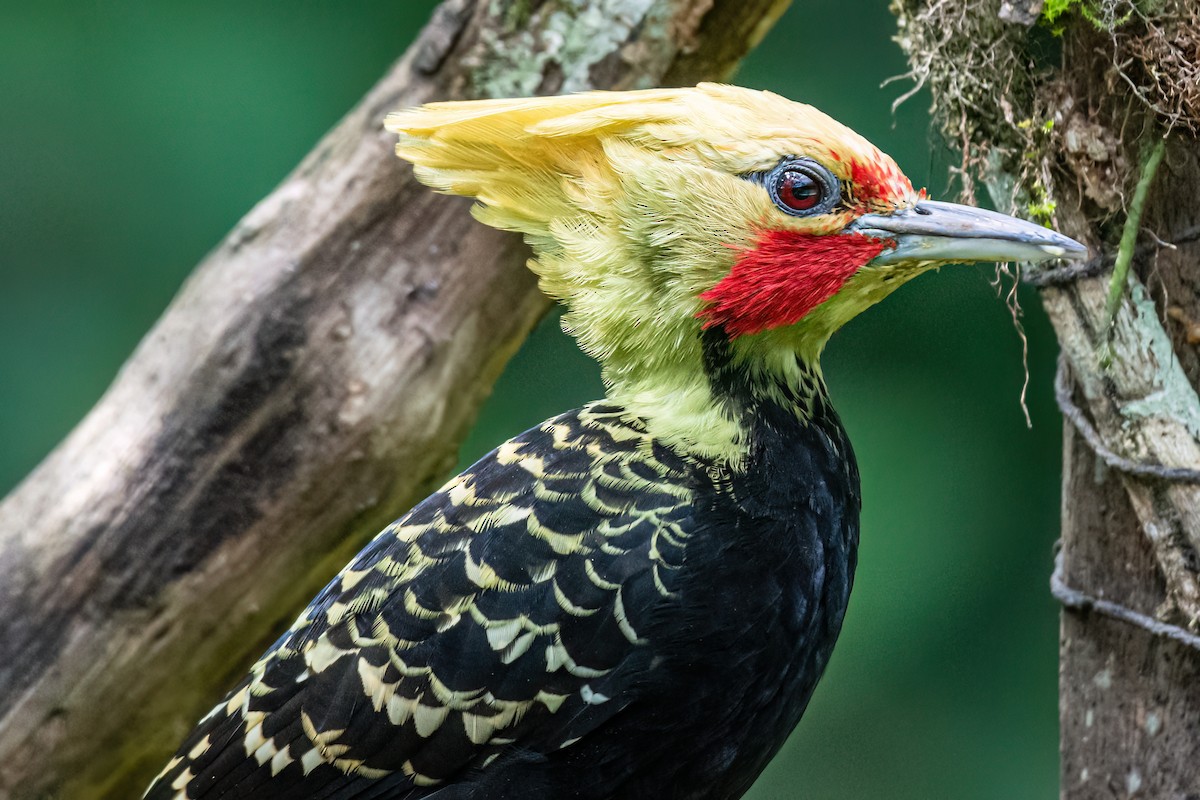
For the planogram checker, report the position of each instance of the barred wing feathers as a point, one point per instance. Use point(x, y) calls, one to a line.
point(502, 614)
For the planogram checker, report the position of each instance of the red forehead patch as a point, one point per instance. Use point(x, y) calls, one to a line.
point(783, 277)
point(879, 182)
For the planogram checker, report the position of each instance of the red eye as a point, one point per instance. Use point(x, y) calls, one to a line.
point(801, 187)
point(798, 191)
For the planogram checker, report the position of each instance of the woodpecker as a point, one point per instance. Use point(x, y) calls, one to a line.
point(634, 599)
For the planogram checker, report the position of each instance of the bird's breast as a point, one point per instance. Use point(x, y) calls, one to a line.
point(764, 587)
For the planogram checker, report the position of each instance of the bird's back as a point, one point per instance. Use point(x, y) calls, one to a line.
point(583, 613)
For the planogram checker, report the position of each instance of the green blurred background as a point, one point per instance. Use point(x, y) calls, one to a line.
point(134, 135)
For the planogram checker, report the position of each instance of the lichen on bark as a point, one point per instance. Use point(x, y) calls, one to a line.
point(555, 47)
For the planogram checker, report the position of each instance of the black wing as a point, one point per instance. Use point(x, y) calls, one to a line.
point(502, 612)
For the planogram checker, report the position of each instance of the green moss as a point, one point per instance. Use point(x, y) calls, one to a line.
point(1053, 9)
point(1103, 16)
point(1042, 209)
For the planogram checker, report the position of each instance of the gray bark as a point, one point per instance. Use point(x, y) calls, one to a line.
point(1129, 700)
point(311, 381)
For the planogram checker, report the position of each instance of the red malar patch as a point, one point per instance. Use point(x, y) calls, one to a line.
point(783, 277)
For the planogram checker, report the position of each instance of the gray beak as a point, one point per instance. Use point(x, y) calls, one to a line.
point(933, 232)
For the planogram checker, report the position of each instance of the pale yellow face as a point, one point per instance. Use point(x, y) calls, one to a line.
point(640, 205)
point(658, 177)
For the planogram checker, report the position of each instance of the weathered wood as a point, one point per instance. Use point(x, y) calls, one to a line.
point(312, 380)
point(1129, 702)
point(1070, 137)
point(1145, 409)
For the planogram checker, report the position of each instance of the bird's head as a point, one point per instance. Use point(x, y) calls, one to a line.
point(683, 227)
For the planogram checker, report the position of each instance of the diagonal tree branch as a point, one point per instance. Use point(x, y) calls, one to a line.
point(312, 379)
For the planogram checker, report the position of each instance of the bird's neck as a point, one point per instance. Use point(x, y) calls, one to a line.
point(709, 401)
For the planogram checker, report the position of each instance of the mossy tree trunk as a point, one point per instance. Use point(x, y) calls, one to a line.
point(1055, 108)
point(1130, 697)
point(311, 381)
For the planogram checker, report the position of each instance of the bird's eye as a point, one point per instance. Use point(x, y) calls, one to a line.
point(798, 191)
point(802, 187)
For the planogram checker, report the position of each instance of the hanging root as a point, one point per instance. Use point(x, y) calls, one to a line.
point(1006, 282)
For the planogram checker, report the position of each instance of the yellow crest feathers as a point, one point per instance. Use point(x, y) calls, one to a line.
point(519, 157)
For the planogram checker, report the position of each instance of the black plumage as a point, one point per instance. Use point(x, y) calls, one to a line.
point(583, 613)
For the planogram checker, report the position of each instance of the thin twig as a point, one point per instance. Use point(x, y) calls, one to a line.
point(1080, 601)
point(1061, 276)
point(1072, 412)
point(1191, 234)
point(1158, 241)
point(1133, 223)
